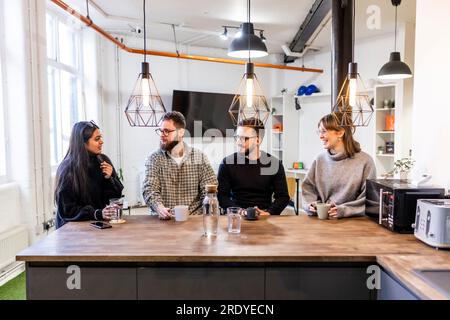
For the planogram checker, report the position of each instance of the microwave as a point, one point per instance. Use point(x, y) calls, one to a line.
point(392, 203)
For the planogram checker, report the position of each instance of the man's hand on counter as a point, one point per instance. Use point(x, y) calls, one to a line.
point(164, 213)
point(262, 212)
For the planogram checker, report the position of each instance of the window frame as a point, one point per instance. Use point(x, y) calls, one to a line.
point(5, 178)
point(57, 68)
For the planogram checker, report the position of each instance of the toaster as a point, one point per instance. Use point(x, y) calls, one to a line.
point(432, 224)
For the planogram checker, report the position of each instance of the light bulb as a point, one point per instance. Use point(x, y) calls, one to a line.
point(145, 91)
point(352, 97)
point(249, 92)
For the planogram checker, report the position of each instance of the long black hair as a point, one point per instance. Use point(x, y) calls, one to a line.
point(73, 170)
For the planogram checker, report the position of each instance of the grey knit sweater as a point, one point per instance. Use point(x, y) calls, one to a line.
point(336, 178)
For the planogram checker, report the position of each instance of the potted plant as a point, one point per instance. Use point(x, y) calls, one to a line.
point(402, 167)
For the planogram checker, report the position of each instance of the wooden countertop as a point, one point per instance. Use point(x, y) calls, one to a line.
point(270, 239)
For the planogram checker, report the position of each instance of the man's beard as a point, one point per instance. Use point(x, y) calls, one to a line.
point(246, 152)
point(168, 146)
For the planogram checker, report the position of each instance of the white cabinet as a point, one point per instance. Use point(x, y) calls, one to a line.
point(282, 129)
point(391, 127)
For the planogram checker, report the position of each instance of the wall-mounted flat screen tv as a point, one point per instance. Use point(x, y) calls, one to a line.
point(209, 108)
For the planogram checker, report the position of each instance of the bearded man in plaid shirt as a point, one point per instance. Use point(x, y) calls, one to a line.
point(176, 174)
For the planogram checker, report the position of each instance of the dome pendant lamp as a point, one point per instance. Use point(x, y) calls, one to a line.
point(395, 69)
point(248, 44)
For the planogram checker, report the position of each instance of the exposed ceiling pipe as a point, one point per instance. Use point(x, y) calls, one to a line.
point(108, 36)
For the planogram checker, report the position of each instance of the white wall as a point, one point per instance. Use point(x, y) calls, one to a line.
point(431, 114)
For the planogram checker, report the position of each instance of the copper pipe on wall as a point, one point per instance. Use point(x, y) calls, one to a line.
point(108, 36)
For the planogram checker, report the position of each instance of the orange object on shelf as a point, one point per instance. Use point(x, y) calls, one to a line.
point(278, 127)
point(390, 122)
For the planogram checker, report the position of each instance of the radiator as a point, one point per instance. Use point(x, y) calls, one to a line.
point(12, 242)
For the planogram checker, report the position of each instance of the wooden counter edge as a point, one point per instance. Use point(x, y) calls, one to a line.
point(409, 279)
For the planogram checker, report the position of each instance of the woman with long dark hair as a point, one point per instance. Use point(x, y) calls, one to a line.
point(338, 175)
point(85, 179)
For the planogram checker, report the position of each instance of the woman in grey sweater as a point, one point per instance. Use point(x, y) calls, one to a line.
point(338, 175)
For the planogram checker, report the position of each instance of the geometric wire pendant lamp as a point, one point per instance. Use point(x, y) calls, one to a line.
point(395, 69)
point(145, 107)
point(249, 103)
point(353, 107)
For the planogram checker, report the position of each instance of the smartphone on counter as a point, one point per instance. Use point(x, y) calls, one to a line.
point(100, 225)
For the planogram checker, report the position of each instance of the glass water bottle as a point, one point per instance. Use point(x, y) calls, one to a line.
point(211, 211)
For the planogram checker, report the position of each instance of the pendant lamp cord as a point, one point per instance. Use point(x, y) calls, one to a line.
point(145, 36)
point(395, 48)
point(248, 26)
point(353, 31)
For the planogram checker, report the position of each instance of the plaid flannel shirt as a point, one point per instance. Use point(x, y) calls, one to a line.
point(167, 184)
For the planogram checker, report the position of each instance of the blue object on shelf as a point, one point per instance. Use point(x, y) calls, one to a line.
point(301, 91)
point(311, 89)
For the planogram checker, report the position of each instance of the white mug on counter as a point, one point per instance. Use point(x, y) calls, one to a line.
point(181, 213)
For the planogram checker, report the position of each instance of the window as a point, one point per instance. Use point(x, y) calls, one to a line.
point(2, 131)
point(64, 84)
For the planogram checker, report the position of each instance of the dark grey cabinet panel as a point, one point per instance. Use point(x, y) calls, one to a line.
point(391, 289)
point(317, 283)
point(202, 283)
point(50, 283)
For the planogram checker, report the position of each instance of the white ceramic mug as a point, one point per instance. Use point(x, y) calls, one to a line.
point(181, 213)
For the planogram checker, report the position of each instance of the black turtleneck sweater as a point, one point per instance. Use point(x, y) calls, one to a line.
point(71, 207)
point(245, 183)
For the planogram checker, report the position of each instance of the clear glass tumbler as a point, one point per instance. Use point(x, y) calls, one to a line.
point(234, 220)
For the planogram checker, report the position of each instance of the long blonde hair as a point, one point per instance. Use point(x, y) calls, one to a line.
point(331, 122)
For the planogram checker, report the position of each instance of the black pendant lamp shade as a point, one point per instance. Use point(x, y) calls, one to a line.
point(248, 44)
point(395, 69)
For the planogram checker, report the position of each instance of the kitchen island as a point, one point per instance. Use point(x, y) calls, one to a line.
point(276, 257)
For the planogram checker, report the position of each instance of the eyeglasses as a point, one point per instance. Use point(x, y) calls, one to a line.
point(321, 132)
point(164, 132)
point(243, 139)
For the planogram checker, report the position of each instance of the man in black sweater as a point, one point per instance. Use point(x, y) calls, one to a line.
point(251, 177)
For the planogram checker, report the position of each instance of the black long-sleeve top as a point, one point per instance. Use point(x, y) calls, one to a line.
point(245, 183)
point(71, 207)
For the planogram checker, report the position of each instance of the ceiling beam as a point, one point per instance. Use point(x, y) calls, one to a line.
point(318, 12)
